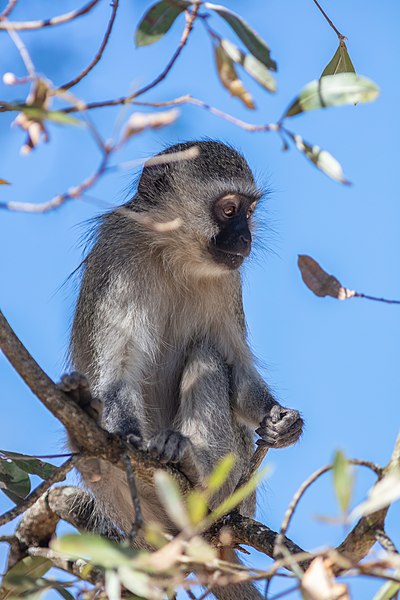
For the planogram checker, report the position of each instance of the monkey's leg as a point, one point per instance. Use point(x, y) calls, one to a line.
point(206, 418)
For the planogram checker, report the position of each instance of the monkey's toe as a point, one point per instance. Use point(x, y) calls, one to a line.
point(168, 446)
point(76, 386)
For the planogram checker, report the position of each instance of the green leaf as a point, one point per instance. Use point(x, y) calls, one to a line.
point(158, 20)
point(333, 90)
point(229, 78)
point(112, 585)
point(138, 583)
point(171, 498)
point(256, 69)
point(31, 465)
point(237, 497)
point(253, 42)
point(98, 550)
point(220, 473)
point(340, 62)
point(22, 576)
point(322, 159)
point(41, 114)
point(4, 182)
point(197, 506)
point(383, 494)
point(389, 589)
point(64, 593)
point(343, 480)
point(14, 482)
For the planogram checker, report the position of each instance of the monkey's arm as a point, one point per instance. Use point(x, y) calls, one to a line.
point(255, 404)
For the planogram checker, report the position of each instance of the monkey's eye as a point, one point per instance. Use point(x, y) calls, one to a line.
point(229, 210)
point(250, 210)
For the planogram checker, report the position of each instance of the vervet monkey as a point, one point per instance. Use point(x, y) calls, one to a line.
point(159, 329)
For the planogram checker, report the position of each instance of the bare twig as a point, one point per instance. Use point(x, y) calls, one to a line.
point(22, 49)
point(335, 29)
point(186, 99)
point(30, 500)
point(254, 463)
point(99, 54)
point(384, 540)
point(42, 23)
point(359, 295)
point(10, 6)
point(130, 477)
point(60, 199)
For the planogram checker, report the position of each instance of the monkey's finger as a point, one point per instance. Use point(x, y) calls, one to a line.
point(290, 436)
point(287, 421)
point(267, 441)
point(267, 430)
point(275, 413)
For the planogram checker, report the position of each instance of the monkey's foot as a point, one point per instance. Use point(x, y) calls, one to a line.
point(77, 387)
point(280, 428)
point(173, 447)
point(169, 446)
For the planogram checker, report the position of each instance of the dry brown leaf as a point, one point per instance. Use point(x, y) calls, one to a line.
point(31, 120)
point(319, 583)
point(138, 122)
point(229, 78)
point(319, 281)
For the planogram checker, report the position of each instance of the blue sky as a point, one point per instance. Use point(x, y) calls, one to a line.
point(335, 361)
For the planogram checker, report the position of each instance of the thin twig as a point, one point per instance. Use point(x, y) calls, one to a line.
point(310, 480)
point(40, 24)
point(186, 99)
point(60, 199)
point(335, 29)
point(30, 500)
point(34, 456)
point(128, 99)
point(10, 6)
point(359, 295)
point(384, 540)
point(254, 463)
point(22, 49)
point(130, 477)
point(100, 51)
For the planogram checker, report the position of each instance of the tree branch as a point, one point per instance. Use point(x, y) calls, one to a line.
point(59, 475)
point(99, 54)
point(58, 20)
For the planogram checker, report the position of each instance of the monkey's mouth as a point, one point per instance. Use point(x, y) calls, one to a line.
point(231, 260)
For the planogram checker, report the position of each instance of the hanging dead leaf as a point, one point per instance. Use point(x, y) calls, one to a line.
point(138, 122)
point(4, 182)
point(319, 281)
point(319, 583)
point(38, 98)
point(229, 78)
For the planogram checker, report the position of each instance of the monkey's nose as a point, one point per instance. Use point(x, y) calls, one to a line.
point(245, 244)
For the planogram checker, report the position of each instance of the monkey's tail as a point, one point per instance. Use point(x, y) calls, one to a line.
point(240, 591)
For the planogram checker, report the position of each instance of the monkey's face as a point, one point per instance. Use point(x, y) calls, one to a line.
point(232, 244)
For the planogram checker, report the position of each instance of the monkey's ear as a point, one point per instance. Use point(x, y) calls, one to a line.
point(153, 182)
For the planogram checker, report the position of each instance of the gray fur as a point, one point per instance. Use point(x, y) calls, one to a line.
point(159, 332)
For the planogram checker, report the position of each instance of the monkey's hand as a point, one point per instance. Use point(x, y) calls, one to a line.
point(76, 386)
point(174, 447)
point(280, 428)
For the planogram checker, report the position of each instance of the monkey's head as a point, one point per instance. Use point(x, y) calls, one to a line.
point(208, 191)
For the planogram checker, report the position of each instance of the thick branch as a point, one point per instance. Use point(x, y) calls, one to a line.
point(91, 438)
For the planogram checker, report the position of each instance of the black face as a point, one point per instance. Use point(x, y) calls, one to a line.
point(233, 242)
